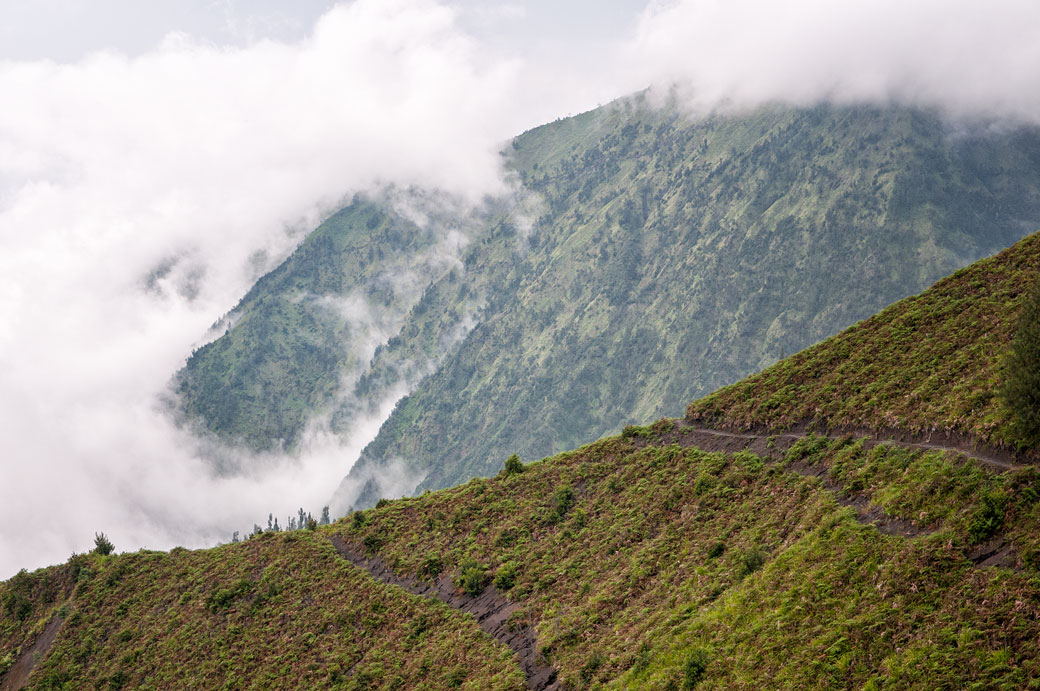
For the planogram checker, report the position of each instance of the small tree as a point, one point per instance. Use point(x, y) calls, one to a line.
point(1021, 390)
point(324, 516)
point(102, 545)
point(513, 465)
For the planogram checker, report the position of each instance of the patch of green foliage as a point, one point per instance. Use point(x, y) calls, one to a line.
point(930, 362)
point(1021, 385)
point(756, 579)
point(279, 610)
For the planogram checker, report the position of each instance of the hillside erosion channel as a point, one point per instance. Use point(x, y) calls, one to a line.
point(490, 608)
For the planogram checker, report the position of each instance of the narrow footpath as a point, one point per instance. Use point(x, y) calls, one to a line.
point(490, 609)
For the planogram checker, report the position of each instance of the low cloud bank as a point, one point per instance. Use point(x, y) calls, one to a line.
point(139, 199)
point(974, 60)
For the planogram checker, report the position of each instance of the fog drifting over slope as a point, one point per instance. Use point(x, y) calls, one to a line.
point(970, 59)
point(140, 197)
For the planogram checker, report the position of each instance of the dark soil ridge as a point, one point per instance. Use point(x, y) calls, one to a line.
point(934, 440)
point(19, 673)
point(774, 446)
point(490, 608)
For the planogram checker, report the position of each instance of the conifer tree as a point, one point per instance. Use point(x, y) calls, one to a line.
point(324, 516)
point(1022, 372)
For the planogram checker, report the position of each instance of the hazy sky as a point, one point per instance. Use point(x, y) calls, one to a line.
point(198, 135)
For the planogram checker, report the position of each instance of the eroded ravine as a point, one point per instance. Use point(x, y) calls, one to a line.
point(18, 675)
point(491, 610)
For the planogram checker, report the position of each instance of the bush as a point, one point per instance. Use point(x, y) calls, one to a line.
point(505, 577)
point(990, 516)
point(432, 566)
point(1021, 388)
point(513, 465)
point(563, 500)
point(102, 545)
point(694, 668)
point(472, 577)
point(751, 562)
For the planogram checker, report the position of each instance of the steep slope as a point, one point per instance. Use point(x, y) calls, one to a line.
point(277, 611)
point(666, 557)
point(930, 364)
point(675, 256)
point(306, 332)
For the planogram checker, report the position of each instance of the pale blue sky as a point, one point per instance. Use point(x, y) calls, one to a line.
point(65, 30)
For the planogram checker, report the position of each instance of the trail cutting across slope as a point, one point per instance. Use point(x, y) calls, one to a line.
point(491, 610)
point(996, 552)
point(19, 673)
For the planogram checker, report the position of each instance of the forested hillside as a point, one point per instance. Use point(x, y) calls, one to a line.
point(646, 258)
point(675, 256)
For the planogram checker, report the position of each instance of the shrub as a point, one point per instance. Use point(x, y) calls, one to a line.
point(432, 566)
point(505, 577)
point(693, 669)
point(990, 516)
point(563, 500)
point(751, 562)
point(1021, 387)
point(513, 466)
point(716, 550)
point(472, 577)
point(102, 545)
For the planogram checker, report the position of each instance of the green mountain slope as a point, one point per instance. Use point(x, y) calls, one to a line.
point(927, 364)
point(666, 557)
point(306, 332)
point(279, 611)
point(676, 256)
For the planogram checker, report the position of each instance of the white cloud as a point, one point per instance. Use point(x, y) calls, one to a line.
point(133, 193)
point(972, 59)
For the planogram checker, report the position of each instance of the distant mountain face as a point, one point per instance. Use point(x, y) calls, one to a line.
point(668, 256)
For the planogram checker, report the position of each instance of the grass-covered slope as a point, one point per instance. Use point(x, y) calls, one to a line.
point(278, 611)
point(663, 558)
point(676, 255)
point(658, 566)
point(933, 362)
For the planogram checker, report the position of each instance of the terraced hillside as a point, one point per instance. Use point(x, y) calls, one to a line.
point(670, 556)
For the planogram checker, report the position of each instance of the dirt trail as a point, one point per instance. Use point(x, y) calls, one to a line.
point(937, 441)
point(997, 552)
point(19, 673)
point(491, 610)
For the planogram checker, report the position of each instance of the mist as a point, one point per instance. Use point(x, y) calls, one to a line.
point(139, 199)
point(142, 195)
point(969, 60)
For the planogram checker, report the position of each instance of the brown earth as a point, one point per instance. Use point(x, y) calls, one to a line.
point(19, 673)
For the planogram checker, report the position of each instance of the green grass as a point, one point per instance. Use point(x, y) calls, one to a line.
point(669, 555)
point(277, 611)
point(929, 362)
